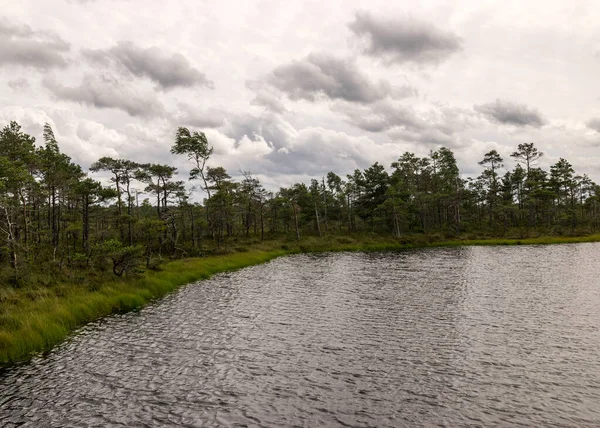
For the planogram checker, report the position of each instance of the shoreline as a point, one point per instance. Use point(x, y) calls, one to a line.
point(33, 321)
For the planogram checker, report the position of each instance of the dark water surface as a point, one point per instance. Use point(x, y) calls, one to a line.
point(479, 336)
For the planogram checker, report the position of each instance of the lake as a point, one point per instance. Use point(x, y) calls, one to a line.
point(470, 336)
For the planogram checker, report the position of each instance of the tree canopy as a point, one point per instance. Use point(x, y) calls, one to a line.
point(51, 211)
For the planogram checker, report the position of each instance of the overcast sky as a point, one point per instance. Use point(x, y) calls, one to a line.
point(291, 90)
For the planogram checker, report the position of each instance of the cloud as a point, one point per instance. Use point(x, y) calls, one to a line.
point(309, 152)
point(266, 96)
point(404, 40)
point(236, 154)
point(20, 45)
point(508, 113)
point(191, 116)
point(280, 151)
point(593, 124)
point(83, 140)
point(340, 115)
point(316, 150)
point(269, 101)
point(431, 136)
point(325, 76)
point(168, 71)
point(270, 146)
point(380, 116)
point(14, 30)
point(150, 142)
point(435, 125)
point(19, 84)
point(107, 92)
point(270, 126)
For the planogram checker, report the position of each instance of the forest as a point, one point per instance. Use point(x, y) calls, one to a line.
point(56, 216)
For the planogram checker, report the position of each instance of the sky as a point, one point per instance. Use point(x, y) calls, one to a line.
point(291, 90)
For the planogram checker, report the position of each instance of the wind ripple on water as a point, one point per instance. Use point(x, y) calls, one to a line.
point(482, 336)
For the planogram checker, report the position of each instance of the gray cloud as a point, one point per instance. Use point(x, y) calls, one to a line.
point(107, 92)
point(435, 126)
point(302, 136)
point(404, 40)
point(19, 84)
point(266, 96)
point(593, 124)
point(20, 45)
point(380, 116)
point(406, 91)
point(509, 113)
point(430, 136)
point(316, 150)
point(270, 126)
point(269, 101)
point(325, 76)
point(299, 153)
point(13, 30)
point(190, 116)
point(168, 71)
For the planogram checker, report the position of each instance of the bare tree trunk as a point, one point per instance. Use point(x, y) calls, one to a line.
point(325, 205)
point(129, 203)
point(117, 184)
point(10, 238)
point(86, 224)
point(396, 225)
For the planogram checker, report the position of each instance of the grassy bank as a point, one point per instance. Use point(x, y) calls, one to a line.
point(35, 318)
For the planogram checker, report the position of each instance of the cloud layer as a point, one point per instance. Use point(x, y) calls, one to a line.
point(20, 45)
point(292, 92)
point(594, 124)
point(168, 71)
point(321, 75)
point(107, 92)
point(508, 113)
point(404, 40)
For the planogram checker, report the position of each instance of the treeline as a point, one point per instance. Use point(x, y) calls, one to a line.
point(52, 213)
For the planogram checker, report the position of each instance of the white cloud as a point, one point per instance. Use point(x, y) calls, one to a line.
point(106, 91)
point(360, 106)
point(83, 140)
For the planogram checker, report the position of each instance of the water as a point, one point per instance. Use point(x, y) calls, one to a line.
point(480, 336)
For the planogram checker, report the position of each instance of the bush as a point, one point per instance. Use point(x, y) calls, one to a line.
point(154, 263)
point(79, 260)
point(124, 258)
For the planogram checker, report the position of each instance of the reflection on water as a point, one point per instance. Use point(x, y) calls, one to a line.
point(480, 336)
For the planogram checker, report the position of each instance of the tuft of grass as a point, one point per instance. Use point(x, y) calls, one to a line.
point(36, 318)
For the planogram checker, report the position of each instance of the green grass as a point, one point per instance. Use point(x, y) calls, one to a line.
point(36, 318)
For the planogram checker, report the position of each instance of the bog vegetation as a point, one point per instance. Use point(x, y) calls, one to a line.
point(73, 249)
point(57, 217)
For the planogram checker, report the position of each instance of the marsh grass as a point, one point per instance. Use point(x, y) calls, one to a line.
point(34, 318)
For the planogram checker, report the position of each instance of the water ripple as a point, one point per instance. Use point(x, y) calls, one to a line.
point(482, 336)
